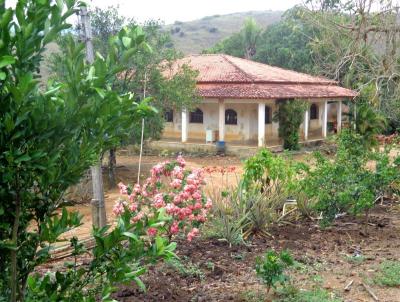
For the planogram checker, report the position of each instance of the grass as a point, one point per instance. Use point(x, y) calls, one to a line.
point(293, 294)
point(186, 268)
point(388, 274)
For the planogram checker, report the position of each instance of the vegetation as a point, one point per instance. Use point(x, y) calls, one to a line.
point(146, 74)
point(346, 184)
point(270, 268)
point(290, 115)
point(388, 274)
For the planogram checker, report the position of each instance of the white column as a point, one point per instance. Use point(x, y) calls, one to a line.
point(325, 119)
point(221, 120)
point(261, 124)
point(184, 125)
point(306, 122)
point(339, 116)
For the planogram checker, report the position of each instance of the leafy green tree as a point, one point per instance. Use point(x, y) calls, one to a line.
point(287, 43)
point(146, 75)
point(290, 115)
point(50, 135)
point(242, 44)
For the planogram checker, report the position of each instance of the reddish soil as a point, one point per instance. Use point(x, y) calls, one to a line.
point(228, 272)
point(223, 273)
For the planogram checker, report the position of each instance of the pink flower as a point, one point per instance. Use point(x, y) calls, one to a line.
point(174, 228)
point(208, 204)
point(133, 207)
point(138, 217)
point(159, 201)
point(196, 195)
point(151, 232)
point(176, 183)
point(119, 208)
point(123, 190)
point(171, 209)
point(136, 188)
point(198, 206)
point(177, 172)
point(181, 161)
point(193, 233)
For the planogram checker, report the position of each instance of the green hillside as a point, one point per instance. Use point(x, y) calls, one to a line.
point(194, 36)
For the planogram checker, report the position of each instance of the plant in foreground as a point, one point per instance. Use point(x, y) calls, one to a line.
point(172, 191)
point(271, 268)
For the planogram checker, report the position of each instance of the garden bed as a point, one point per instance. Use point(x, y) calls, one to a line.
point(213, 271)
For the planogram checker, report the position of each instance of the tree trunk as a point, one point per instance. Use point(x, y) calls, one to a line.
point(112, 163)
point(13, 254)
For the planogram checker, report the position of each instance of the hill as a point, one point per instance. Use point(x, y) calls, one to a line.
point(194, 36)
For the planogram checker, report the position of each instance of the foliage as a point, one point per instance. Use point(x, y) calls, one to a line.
point(265, 170)
point(287, 43)
point(241, 44)
point(290, 115)
point(179, 197)
point(119, 256)
point(50, 135)
point(255, 204)
point(346, 183)
point(369, 123)
point(186, 268)
point(291, 294)
point(271, 268)
point(388, 274)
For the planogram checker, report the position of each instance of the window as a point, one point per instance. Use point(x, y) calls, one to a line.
point(313, 112)
point(169, 116)
point(230, 117)
point(268, 115)
point(196, 117)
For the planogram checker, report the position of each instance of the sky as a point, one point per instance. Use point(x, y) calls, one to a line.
point(187, 10)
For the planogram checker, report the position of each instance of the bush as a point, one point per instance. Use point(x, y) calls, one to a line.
point(346, 183)
point(290, 115)
point(270, 268)
point(171, 194)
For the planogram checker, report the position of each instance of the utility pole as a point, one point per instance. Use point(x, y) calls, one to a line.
point(98, 205)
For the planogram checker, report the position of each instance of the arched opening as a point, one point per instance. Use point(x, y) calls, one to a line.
point(196, 117)
point(313, 112)
point(230, 117)
point(268, 115)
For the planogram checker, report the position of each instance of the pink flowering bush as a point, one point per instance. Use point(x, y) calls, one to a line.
point(170, 201)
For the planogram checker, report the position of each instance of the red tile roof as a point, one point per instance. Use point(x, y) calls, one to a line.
point(223, 76)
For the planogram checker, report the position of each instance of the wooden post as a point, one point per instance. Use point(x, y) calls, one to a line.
point(98, 207)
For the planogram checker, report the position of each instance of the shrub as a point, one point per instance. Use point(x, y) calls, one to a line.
point(389, 274)
point(271, 268)
point(346, 183)
point(119, 256)
point(173, 193)
point(290, 115)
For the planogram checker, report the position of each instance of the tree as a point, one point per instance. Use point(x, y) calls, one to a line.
point(146, 75)
point(287, 43)
point(50, 135)
point(241, 44)
point(358, 46)
point(290, 116)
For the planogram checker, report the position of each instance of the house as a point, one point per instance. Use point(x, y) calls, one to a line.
point(239, 98)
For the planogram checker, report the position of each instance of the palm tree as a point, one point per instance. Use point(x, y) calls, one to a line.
point(250, 33)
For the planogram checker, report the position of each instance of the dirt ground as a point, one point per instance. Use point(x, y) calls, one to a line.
point(218, 272)
point(224, 273)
